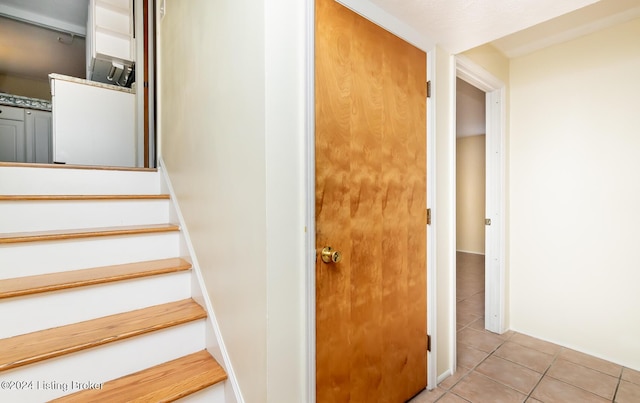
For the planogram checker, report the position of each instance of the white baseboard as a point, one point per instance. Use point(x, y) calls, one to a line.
point(444, 376)
point(471, 252)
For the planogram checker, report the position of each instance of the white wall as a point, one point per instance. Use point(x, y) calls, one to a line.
point(25, 87)
point(470, 193)
point(470, 110)
point(286, 92)
point(470, 167)
point(231, 134)
point(574, 194)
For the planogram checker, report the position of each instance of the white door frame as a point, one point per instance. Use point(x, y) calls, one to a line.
point(432, 307)
point(310, 202)
point(495, 234)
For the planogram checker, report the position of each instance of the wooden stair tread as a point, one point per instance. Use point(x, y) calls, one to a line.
point(83, 197)
point(166, 382)
point(57, 235)
point(16, 287)
point(37, 346)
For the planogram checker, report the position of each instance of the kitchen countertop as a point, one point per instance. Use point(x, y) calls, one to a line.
point(24, 102)
point(77, 80)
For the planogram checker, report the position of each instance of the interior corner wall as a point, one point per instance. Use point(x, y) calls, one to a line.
point(232, 124)
point(574, 193)
point(470, 193)
point(212, 129)
point(288, 92)
point(25, 87)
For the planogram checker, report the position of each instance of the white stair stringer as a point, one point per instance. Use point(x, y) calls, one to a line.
point(214, 340)
point(52, 309)
point(103, 363)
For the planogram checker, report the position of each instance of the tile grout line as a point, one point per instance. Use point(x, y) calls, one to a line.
point(471, 370)
point(555, 358)
point(449, 390)
point(526, 396)
point(615, 392)
point(490, 354)
point(576, 386)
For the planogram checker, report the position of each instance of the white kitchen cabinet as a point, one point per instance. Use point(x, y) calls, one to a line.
point(25, 135)
point(12, 135)
point(38, 130)
point(110, 41)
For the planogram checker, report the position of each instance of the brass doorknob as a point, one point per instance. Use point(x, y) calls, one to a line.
point(329, 255)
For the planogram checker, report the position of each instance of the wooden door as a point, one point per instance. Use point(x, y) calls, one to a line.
point(371, 311)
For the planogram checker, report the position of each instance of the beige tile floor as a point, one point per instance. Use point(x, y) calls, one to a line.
point(514, 367)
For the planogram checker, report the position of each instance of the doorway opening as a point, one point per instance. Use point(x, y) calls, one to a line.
point(494, 197)
point(470, 208)
point(89, 90)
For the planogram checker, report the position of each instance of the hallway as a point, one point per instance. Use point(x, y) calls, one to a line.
point(517, 368)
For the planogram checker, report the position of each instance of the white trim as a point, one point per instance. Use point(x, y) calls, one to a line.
point(432, 311)
point(470, 252)
point(445, 375)
point(158, 80)
point(310, 200)
point(139, 74)
point(202, 296)
point(495, 287)
point(388, 22)
point(453, 351)
point(475, 75)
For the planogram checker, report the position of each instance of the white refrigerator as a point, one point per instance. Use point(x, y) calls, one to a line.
point(93, 123)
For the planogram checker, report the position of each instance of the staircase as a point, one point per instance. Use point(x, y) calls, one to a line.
point(98, 299)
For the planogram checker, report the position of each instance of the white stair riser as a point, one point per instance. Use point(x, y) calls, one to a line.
point(53, 309)
point(104, 363)
point(57, 181)
point(60, 215)
point(32, 258)
point(212, 394)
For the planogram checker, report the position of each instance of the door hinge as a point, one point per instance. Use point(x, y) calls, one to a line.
point(428, 89)
point(429, 342)
point(487, 221)
point(428, 216)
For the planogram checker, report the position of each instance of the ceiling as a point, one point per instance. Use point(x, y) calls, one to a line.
point(586, 20)
point(65, 15)
point(515, 27)
point(460, 25)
